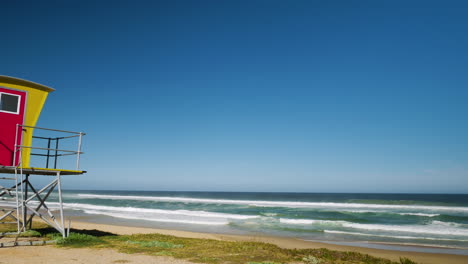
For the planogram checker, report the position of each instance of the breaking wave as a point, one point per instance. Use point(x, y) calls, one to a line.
point(287, 204)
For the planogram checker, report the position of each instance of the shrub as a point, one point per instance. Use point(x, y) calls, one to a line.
point(311, 260)
point(77, 240)
point(406, 261)
point(30, 233)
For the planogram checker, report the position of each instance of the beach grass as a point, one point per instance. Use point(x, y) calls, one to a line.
point(77, 240)
point(218, 251)
point(12, 228)
point(201, 250)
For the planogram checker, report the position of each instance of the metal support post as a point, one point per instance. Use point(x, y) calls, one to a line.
point(79, 152)
point(17, 201)
point(15, 151)
point(48, 153)
point(56, 152)
point(62, 220)
point(25, 209)
point(23, 203)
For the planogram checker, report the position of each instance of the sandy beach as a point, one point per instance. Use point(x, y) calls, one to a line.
point(52, 254)
point(234, 132)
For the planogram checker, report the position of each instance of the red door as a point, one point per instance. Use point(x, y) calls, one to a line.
point(12, 106)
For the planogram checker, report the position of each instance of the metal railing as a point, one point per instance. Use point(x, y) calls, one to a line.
point(51, 153)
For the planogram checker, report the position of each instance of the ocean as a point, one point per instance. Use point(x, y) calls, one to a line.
point(412, 220)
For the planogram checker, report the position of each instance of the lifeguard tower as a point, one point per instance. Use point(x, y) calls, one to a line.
point(21, 103)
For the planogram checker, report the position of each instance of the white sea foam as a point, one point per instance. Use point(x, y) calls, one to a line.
point(315, 224)
point(391, 236)
point(434, 228)
point(269, 214)
point(379, 211)
point(420, 214)
point(151, 218)
point(297, 221)
point(311, 222)
point(81, 206)
point(288, 204)
point(156, 215)
point(361, 211)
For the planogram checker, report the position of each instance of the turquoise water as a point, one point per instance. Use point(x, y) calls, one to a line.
point(406, 219)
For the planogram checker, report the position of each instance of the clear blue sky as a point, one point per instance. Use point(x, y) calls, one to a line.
point(300, 96)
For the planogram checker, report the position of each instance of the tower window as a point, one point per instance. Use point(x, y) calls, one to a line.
point(9, 103)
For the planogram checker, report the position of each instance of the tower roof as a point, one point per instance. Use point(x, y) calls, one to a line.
point(17, 81)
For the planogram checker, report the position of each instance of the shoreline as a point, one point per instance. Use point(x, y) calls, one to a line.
point(284, 242)
point(396, 246)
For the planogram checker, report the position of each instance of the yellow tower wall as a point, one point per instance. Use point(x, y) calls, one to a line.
point(36, 97)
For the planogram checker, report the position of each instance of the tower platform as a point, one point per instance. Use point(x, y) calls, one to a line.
point(39, 171)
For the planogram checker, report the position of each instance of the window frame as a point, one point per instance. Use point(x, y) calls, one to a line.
point(17, 112)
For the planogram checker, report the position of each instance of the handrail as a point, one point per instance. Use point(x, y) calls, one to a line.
point(76, 152)
point(56, 152)
point(57, 130)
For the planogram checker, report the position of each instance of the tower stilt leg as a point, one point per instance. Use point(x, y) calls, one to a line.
point(62, 220)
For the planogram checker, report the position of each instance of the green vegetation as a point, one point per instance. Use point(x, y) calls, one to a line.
point(210, 251)
point(5, 228)
point(77, 240)
point(154, 244)
point(12, 228)
point(406, 261)
point(216, 251)
point(30, 233)
point(311, 260)
point(263, 263)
